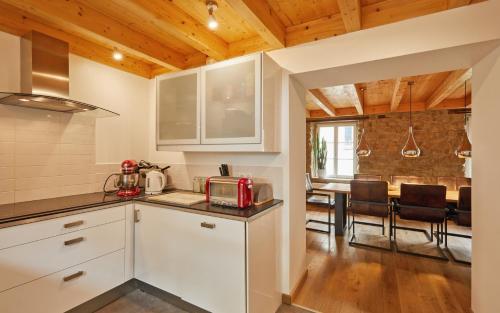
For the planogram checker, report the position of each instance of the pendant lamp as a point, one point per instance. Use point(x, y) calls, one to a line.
point(363, 150)
point(464, 150)
point(410, 149)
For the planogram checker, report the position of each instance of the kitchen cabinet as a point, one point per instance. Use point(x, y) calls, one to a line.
point(218, 264)
point(178, 108)
point(60, 263)
point(237, 104)
point(231, 102)
point(198, 258)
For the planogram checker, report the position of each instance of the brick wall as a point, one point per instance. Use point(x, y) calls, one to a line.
point(437, 133)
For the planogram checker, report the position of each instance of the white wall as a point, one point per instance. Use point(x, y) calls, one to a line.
point(47, 154)
point(294, 184)
point(117, 138)
point(486, 169)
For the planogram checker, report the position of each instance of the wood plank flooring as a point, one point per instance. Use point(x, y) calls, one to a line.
point(345, 279)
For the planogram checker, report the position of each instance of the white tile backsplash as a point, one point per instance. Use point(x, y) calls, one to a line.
point(47, 154)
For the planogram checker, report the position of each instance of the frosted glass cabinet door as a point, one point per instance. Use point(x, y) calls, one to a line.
point(231, 101)
point(178, 108)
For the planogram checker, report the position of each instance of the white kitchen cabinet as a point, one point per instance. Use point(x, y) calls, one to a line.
point(158, 242)
point(198, 258)
point(178, 108)
point(63, 290)
point(238, 101)
point(213, 263)
point(231, 101)
point(218, 264)
point(60, 263)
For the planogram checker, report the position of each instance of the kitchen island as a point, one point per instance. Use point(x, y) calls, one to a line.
point(216, 258)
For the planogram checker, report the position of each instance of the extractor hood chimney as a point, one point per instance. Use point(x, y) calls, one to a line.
point(45, 78)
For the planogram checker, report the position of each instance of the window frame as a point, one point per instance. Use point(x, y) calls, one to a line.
point(335, 125)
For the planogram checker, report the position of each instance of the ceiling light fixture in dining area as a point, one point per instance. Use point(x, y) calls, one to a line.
point(464, 150)
point(212, 7)
point(410, 149)
point(363, 149)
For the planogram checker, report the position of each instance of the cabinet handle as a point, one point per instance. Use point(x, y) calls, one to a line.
point(73, 276)
point(73, 224)
point(137, 217)
point(207, 225)
point(73, 241)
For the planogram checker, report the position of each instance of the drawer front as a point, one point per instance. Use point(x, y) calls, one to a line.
point(25, 263)
point(66, 289)
point(17, 235)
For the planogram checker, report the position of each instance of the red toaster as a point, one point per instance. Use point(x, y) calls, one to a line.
point(230, 191)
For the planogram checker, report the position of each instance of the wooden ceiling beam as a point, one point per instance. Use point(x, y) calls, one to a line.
point(457, 3)
point(372, 15)
point(398, 93)
point(385, 108)
point(77, 19)
point(17, 22)
point(167, 16)
point(246, 46)
point(353, 92)
point(260, 15)
point(323, 102)
point(350, 10)
point(454, 80)
point(321, 28)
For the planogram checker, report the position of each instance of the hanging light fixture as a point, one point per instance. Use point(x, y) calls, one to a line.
point(363, 150)
point(465, 149)
point(410, 149)
point(212, 7)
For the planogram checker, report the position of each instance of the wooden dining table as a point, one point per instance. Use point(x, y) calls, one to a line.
point(342, 190)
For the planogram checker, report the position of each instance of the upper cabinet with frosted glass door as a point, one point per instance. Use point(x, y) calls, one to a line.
point(178, 108)
point(231, 101)
point(239, 107)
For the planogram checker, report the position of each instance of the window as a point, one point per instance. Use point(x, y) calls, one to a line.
point(340, 139)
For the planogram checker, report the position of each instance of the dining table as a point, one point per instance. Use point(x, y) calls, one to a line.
point(343, 190)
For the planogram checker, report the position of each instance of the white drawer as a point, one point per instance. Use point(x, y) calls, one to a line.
point(17, 235)
point(53, 294)
point(24, 263)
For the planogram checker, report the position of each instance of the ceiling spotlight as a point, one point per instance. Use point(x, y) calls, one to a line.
point(117, 55)
point(212, 7)
point(23, 100)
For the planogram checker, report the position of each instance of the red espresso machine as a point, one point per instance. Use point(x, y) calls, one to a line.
point(128, 181)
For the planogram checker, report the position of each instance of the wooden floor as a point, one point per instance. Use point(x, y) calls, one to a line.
point(349, 279)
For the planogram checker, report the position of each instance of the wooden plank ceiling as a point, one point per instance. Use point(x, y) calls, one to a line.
point(158, 36)
point(444, 90)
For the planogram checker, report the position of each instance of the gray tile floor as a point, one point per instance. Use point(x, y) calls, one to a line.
point(142, 302)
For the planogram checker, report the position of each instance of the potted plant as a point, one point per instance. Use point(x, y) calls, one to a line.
point(319, 152)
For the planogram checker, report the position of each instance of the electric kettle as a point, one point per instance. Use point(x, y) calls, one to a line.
point(155, 182)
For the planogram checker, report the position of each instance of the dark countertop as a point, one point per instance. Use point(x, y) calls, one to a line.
point(219, 210)
point(18, 213)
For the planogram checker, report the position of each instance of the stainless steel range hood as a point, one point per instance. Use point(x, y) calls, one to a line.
point(45, 78)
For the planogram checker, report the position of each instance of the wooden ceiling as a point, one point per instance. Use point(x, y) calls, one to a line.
point(158, 36)
point(444, 90)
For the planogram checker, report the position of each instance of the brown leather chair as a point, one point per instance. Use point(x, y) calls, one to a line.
point(370, 198)
point(453, 183)
point(463, 181)
point(462, 217)
point(398, 180)
point(423, 203)
point(319, 199)
point(367, 177)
